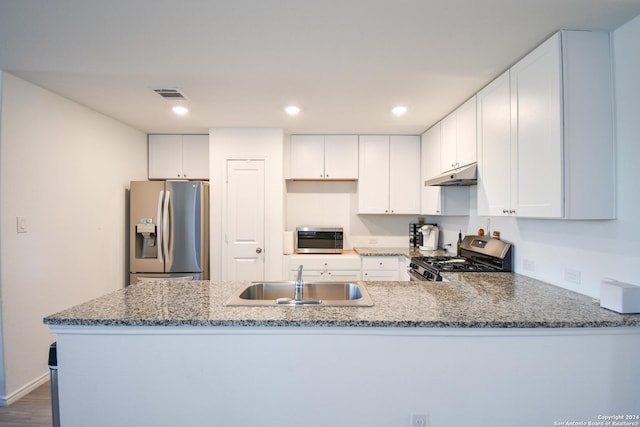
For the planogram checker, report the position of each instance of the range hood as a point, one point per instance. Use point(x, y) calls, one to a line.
point(466, 175)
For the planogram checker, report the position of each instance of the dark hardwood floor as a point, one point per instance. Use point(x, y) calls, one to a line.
point(33, 410)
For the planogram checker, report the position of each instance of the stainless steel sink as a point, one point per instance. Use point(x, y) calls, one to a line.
point(339, 294)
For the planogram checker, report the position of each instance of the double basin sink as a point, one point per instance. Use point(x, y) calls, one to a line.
point(335, 294)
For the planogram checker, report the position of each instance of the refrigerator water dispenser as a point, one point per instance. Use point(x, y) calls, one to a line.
point(146, 241)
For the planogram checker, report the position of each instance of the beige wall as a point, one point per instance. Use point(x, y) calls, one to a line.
point(66, 169)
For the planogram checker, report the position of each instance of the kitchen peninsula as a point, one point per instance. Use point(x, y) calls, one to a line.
point(494, 349)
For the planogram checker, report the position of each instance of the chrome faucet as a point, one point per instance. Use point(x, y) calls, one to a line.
point(299, 286)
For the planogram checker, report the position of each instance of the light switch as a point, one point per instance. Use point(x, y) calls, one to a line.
point(22, 224)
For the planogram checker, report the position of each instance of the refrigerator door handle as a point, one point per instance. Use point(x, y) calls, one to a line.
point(160, 232)
point(165, 225)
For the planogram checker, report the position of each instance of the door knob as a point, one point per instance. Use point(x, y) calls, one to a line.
point(259, 250)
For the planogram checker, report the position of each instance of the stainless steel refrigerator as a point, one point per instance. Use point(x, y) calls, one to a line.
point(169, 230)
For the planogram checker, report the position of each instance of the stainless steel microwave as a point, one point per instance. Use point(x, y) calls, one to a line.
point(319, 240)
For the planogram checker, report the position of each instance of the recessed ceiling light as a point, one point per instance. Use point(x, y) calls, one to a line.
point(399, 110)
point(180, 110)
point(292, 110)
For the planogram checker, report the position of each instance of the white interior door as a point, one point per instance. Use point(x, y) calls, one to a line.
point(245, 224)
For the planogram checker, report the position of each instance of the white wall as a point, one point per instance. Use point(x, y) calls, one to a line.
point(248, 143)
point(66, 169)
point(336, 203)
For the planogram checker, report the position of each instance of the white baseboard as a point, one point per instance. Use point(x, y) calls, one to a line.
point(24, 390)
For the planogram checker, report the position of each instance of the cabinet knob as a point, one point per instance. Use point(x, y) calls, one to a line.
point(258, 250)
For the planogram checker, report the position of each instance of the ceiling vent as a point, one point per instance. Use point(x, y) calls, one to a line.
point(171, 94)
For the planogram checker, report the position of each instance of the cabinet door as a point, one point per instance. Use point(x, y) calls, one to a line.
point(536, 126)
point(404, 174)
point(165, 156)
point(494, 148)
point(195, 156)
point(341, 156)
point(373, 182)
point(431, 201)
point(466, 133)
point(448, 142)
point(307, 156)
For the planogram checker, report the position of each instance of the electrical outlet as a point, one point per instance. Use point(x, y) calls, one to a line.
point(572, 276)
point(419, 420)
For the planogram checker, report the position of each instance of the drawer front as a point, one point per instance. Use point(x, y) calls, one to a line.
point(380, 263)
point(314, 262)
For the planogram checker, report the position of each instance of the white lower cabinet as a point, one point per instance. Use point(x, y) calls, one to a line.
point(325, 268)
point(383, 268)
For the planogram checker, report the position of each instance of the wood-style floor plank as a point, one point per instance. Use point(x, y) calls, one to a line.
point(33, 410)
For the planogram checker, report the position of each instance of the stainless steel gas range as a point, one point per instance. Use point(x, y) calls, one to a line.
point(477, 254)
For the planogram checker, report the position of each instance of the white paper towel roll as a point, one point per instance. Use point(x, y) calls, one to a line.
point(288, 243)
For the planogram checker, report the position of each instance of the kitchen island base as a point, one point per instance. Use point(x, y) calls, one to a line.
point(318, 377)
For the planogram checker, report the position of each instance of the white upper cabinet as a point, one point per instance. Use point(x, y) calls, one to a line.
point(328, 157)
point(545, 133)
point(341, 156)
point(494, 148)
point(179, 157)
point(373, 184)
point(458, 133)
point(439, 200)
point(562, 129)
point(389, 180)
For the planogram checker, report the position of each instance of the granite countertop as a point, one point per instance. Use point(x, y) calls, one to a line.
point(468, 300)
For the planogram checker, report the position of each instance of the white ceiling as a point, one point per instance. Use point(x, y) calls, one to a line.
point(346, 63)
